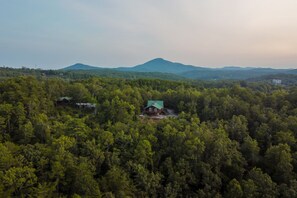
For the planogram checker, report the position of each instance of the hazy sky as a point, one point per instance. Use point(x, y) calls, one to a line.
point(213, 33)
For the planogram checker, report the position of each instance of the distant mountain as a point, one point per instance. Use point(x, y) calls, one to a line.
point(79, 66)
point(161, 65)
point(293, 71)
point(82, 70)
point(236, 68)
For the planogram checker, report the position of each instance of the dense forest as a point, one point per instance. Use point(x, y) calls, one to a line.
point(235, 139)
point(7, 72)
point(217, 77)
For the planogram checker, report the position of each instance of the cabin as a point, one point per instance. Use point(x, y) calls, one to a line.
point(154, 107)
point(64, 100)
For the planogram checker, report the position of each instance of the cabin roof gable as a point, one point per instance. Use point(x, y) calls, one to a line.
point(159, 104)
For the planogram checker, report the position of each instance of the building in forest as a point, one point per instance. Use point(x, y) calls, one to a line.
point(154, 107)
point(68, 101)
point(64, 100)
point(277, 81)
point(86, 105)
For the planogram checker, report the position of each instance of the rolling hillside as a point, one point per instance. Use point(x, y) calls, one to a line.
point(159, 68)
point(161, 65)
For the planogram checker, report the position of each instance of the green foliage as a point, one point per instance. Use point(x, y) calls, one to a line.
point(259, 184)
point(278, 161)
point(250, 150)
point(234, 189)
point(229, 140)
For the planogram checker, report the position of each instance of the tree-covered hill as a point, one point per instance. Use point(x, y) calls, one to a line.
point(286, 79)
point(236, 140)
point(159, 65)
point(78, 73)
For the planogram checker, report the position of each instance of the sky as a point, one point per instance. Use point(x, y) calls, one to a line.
point(111, 33)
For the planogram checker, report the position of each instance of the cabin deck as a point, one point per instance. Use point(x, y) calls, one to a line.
point(169, 113)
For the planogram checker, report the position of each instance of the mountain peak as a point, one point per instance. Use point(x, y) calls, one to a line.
point(80, 66)
point(162, 65)
point(158, 60)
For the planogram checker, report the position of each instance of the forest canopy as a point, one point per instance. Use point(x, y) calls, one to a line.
point(230, 140)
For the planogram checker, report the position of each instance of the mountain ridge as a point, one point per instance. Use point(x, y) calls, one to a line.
point(80, 66)
point(160, 65)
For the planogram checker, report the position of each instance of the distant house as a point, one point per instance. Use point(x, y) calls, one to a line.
point(154, 107)
point(64, 100)
point(277, 81)
point(86, 105)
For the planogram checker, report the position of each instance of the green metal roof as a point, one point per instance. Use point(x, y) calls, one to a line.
point(159, 104)
point(65, 98)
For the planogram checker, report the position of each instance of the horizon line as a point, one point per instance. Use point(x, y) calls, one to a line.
point(174, 62)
